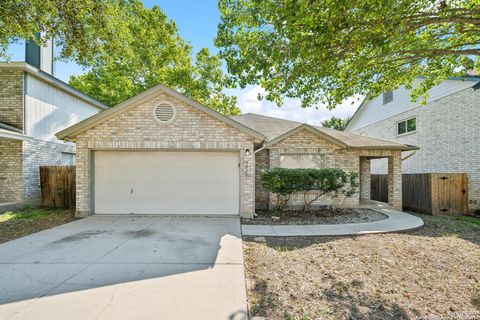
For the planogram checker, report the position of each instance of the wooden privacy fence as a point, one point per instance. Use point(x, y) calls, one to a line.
point(433, 193)
point(58, 186)
point(379, 187)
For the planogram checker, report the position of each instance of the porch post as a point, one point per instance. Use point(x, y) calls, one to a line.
point(364, 178)
point(395, 181)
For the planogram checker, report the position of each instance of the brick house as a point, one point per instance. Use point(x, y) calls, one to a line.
point(446, 129)
point(33, 106)
point(163, 153)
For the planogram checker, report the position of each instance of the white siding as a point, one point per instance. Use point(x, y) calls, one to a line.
point(49, 109)
point(374, 110)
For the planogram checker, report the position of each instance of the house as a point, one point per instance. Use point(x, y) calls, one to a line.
point(33, 106)
point(446, 129)
point(163, 153)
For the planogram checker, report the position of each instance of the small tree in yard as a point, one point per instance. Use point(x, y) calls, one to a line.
point(319, 182)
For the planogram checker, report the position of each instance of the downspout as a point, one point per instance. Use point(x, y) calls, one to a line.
point(262, 147)
point(408, 156)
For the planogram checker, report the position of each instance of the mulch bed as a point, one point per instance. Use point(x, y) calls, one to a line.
point(321, 216)
point(17, 228)
point(421, 274)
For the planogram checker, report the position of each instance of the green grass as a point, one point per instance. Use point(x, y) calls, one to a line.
point(25, 214)
point(469, 219)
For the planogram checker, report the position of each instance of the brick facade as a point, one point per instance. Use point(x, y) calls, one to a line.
point(11, 97)
point(448, 136)
point(354, 160)
point(11, 174)
point(192, 130)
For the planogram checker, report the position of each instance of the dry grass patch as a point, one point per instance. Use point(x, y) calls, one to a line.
point(21, 223)
point(423, 273)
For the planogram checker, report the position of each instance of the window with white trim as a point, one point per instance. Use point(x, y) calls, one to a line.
point(407, 126)
point(293, 161)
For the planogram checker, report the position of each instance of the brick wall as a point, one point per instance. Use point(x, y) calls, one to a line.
point(448, 136)
point(11, 174)
point(11, 97)
point(192, 129)
point(305, 142)
point(262, 162)
point(38, 153)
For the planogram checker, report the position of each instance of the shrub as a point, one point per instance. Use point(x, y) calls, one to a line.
point(285, 182)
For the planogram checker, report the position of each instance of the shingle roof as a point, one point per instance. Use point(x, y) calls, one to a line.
point(274, 128)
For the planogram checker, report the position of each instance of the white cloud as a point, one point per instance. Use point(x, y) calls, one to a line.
point(291, 109)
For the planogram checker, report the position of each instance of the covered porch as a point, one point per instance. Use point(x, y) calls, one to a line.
point(394, 159)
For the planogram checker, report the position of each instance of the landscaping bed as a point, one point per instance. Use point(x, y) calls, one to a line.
point(421, 274)
point(16, 224)
point(320, 216)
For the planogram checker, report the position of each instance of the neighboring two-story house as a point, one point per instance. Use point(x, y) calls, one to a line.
point(446, 129)
point(33, 106)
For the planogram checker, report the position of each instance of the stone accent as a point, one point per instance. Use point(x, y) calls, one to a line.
point(262, 162)
point(38, 153)
point(138, 129)
point(11, 97)
point(365, 178)
point(447, 134)
point(11, 173)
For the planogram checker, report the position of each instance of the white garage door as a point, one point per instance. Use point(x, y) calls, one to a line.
point(157, 182)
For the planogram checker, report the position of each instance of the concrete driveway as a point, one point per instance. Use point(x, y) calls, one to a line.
point(124, 267)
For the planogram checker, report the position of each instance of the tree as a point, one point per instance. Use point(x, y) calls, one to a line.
point(324, 51)
point(336, 123)
point(85, 30)
point(157, 54)
point(126, 48)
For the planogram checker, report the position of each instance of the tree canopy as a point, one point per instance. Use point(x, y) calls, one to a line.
point(85, 30)
point(336, 123)
point(324, 51)
point(125, 47)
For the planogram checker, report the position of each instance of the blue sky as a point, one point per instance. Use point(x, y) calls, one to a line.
point(197, 23)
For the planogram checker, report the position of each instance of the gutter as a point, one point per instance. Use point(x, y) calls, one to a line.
point(409, 155)
point(264, 144)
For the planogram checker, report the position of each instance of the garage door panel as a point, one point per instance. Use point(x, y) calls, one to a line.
point(157, 182)
point(164, 175)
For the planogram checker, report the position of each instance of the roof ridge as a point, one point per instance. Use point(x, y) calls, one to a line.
point(270, 117)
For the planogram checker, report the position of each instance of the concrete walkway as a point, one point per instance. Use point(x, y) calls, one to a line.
point(396, 221)
point(125, 267)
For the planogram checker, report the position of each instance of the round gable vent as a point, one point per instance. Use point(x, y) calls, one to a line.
point(164, 112)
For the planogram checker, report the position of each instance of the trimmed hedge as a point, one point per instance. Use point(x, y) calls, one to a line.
point(285, 182)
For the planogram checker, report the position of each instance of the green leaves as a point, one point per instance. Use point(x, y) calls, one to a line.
point(336, 123)
point(324, 51)
point(126, 48)
point(285, 182)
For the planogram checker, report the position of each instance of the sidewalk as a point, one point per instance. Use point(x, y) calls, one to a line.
point(396, 221)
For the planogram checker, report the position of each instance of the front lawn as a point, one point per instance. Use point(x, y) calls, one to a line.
point(21, 223)
point(415, 275)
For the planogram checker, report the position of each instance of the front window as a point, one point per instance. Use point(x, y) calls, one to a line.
point(407, 126)
point(294, 161)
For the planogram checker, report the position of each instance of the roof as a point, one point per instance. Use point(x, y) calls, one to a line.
point(76, 129)
point(48, 78)
point(278, 129)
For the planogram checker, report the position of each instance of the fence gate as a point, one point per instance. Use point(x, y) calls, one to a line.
point(58, 186)
point(449, 193)
point(433, 193)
